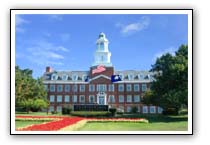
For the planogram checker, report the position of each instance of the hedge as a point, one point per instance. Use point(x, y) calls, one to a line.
point(91, 113)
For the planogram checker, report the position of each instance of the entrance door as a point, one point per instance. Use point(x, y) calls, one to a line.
point(101, 100)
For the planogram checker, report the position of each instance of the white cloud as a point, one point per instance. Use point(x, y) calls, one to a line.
point(170, 50)
point(65, 37)
point(140, 25)
point(19, 21)
point(56, 17)
point(61, 48)
point(46, 53)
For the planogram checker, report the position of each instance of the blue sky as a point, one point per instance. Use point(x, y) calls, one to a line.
point(68, 42)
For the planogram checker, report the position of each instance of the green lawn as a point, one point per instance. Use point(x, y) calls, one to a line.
point(26, 123)
point(37, 114)
point(156, 123)
point(175, 126)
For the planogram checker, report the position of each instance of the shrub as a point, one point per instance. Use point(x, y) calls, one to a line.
point(66, 110)
point(120, 113)
point(170, 111)
point(113, 111)
point(91, 113)
point(134, 109)
point(54, 112)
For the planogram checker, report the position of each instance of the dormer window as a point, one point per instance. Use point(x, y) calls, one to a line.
point(130, 76)
point(54, 77)
point(141, 76)
point(64, 77)
point(121, 76)
point(74, 77)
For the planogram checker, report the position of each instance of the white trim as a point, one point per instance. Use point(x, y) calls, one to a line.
point(64, 82)
point(106, 77)
point(133, 81)
point(81, 82)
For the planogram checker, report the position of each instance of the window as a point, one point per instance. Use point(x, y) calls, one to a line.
point(121, 99)
point(101, 87)
point(141, 76)
point(91, 99)
point(59, 98)
point(136, 87)
point(64, 77)
point(136, 98)
point(101, 46)
point(74, 77)
point(111, 87)
point(130, 76)
point(102, 58)
point(59, 88)
point(82, 88)
point(139, 108)
point(51, 108)
point(54, 77)
point(46, 87)
point(91, 88)
point(52, 88)
point(128, 87)
point(84, 77)
point(52, 98)
point(128, 108)
point(82, 99)
point(121, 76)
point(152, 109)
point(74, 89)
point(59, 109)
point(160, 110)
point(144, 87)
point(67, 88)
point(120, 87)
point(67, 98)
point(129, 98)
point(74, 99)
point(111, 99)
point(145, 109)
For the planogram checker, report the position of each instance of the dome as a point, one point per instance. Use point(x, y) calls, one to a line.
point(102, 35)
point(102, 38)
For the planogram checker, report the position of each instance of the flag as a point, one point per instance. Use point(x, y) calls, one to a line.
point(100, 68)
point(116, 78)
point(87, 79)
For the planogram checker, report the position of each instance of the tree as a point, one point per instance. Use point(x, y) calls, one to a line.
point(170, 90)
point(30, 93)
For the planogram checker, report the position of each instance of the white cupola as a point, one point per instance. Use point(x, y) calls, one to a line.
point(102, 55)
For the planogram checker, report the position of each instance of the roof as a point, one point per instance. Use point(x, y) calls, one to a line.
point(83, 76)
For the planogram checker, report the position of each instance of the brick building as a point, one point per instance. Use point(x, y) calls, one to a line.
point(99, 85)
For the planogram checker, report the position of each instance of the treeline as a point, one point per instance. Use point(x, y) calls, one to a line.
point(170, 90)
point(30, 94)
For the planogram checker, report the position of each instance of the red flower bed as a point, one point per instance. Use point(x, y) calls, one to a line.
point(51, 126)
point(59, 122)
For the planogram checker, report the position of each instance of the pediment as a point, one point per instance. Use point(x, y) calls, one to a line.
point(99, 77)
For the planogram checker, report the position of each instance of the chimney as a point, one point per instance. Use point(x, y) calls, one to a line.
point(49, 69)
